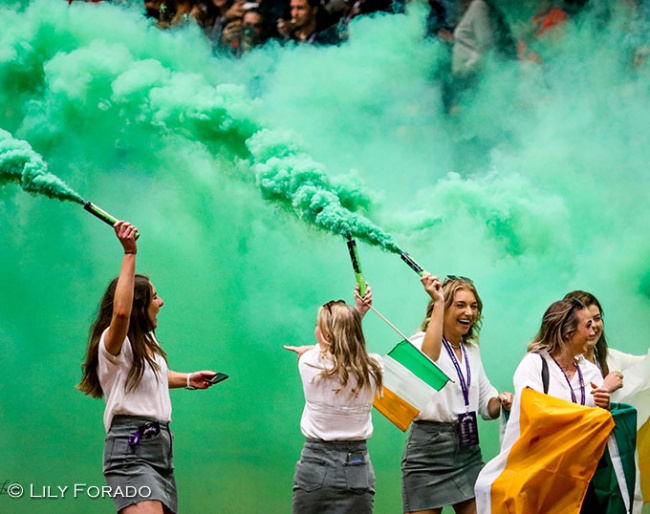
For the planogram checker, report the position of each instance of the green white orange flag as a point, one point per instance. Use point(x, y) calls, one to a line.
point(410, 378)
point(636, 392)
point(549, 455)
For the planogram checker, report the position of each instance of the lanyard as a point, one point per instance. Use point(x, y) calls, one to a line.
point(582, 384)
point(463, 385)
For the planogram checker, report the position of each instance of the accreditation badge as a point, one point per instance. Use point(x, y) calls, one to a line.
point(467, 429)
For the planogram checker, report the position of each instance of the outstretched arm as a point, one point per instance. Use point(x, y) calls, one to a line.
point(123, 299)
point(432, 344)
point(196, 379)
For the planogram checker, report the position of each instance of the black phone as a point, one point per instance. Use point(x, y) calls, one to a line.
point(219, 377)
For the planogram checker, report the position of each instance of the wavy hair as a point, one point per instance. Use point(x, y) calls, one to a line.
point(450, 287)
point(559, 322)
point(340, 325)
point(141, 333)
point(601, 348)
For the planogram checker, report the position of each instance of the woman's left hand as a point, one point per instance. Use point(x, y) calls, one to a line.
point(506, 400)
point(601, 396)
point(363, 304)
point(198, 379)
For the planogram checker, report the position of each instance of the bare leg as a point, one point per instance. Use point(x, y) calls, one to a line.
point(146, 507)
point(466, 507)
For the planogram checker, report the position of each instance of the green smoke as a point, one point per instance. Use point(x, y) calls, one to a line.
point(537, 186)
point(20, 164)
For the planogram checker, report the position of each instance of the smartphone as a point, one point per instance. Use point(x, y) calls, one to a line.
point(219, 377)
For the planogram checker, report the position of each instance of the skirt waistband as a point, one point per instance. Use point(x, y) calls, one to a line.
point(127, 419)
point(336, 445)
point(439, 425)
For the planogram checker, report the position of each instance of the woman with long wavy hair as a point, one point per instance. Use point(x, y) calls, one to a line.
point(126, 366)
point(334, 474)
point(442, 458)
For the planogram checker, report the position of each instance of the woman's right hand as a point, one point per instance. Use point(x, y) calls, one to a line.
point(433, 287)
point(299, 349)
point(613, 381)
point(126, 234)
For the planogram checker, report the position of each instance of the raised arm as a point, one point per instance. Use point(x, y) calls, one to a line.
point(432, 344)
point(123, 300)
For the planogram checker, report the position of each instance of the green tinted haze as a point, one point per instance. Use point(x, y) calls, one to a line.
point(243, 177)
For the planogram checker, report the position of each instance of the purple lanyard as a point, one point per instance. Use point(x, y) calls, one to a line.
point(582, 383)
point(463, 385)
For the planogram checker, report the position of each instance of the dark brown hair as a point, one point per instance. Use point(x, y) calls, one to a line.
point(600, 350)
point(140, 334)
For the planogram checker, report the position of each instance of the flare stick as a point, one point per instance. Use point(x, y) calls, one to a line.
point(354, 257)
point(103, 215)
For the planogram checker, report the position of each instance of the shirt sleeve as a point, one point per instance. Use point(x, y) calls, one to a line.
point(529, 374)
point(110, 358)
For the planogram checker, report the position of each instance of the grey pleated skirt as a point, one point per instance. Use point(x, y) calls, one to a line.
point(334, 477)
point(436, 470)
point(142, 471)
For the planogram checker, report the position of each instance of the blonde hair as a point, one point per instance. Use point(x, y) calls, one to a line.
point(560, 321)
point(340, 325)
point(450, 287)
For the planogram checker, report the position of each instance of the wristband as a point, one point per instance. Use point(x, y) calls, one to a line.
point(189, 386)
point(127, 253)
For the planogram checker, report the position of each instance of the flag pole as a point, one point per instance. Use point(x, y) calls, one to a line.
point(389, 323)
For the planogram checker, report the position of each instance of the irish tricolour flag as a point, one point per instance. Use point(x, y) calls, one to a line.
point(410, 378)
point(561, 458)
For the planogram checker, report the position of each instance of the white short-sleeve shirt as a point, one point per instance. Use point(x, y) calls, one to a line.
point(332, 416)
point(150, 398)
point(445, 405)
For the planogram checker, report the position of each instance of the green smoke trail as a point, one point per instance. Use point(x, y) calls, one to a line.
point(20, 164)
point(537, 186)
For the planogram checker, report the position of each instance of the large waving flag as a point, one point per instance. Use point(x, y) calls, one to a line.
point(410, 378)
point(550, 453)
point(611, 490)
point(637, 393)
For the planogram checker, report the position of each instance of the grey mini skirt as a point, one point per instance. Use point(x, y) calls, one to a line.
point(436, 470)
point(334, 477)
point(138, 462)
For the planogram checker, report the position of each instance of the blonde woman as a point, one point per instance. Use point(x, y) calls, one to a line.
point(442, 458)
point(334, 474)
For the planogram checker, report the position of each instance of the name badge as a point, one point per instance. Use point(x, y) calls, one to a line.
point(467, 429)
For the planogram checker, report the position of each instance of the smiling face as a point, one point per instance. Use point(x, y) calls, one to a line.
point(460, 315)
point(578, 340)
point(597, 324)
point(154, 306)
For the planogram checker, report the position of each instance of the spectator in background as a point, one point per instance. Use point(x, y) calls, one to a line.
point(253, 31)
point(306, 24)
point(482, 31)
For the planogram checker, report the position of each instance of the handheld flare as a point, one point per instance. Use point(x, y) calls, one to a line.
point(354, 257)
point(412, 264)
point(103, 215)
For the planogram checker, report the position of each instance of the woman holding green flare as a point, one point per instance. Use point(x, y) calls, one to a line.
point(334, 474)
point(442, 458)
point(127, 367)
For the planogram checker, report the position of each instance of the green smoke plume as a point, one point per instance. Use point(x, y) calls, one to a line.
point(20, 164)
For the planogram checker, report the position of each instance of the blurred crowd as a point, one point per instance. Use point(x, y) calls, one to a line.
point(471, 31)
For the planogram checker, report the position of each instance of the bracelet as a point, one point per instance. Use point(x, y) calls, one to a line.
point(189, 386)
point(126, 253)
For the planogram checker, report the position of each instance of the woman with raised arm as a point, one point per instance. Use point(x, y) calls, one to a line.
point(442, 458)
point(334, 474)
point(127, 367)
